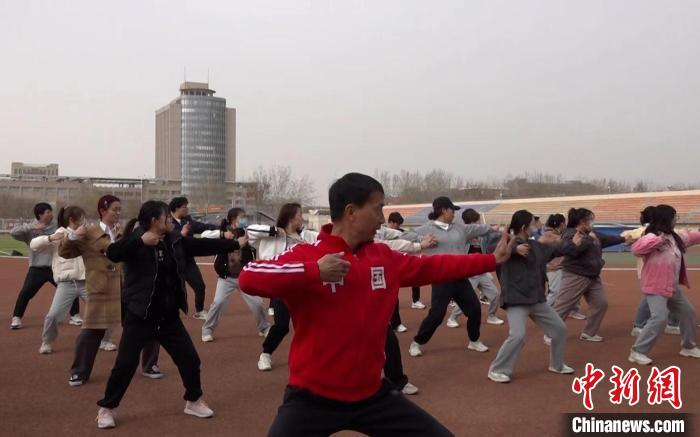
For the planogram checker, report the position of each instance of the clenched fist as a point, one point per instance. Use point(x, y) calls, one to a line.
point(333, 267)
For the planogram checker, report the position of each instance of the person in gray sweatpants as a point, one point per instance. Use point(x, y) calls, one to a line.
point(523, 279)
point(224, 289)
point(66, 292)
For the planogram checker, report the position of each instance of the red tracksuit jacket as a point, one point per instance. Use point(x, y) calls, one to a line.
point(340, 329)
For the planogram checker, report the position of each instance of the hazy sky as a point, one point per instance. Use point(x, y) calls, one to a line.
point(481, 88)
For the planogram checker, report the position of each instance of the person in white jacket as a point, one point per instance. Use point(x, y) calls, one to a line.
point(69, 274)
point(270, 241)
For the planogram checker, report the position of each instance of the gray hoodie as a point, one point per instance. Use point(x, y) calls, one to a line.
point(455, 240)
point(25, 233)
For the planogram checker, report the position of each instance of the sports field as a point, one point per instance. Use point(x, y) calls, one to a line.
point(452, 380)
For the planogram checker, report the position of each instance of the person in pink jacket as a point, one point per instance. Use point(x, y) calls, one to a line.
point(663, 252)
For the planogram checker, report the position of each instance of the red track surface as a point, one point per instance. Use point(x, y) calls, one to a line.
point(36, 399)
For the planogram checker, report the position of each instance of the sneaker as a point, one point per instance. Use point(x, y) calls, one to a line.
point(265, 362)
point(453, 303)
point(401, 328)
point(75, 381)
point(198, 409)
point(498, 377)
point(45, 348)
point(547, 340)
point(265, 331)
point(477, 346)
point(452, 323)
point(207, 338)
point(105, 418)
point(493, 320)
point(414, 350)
point(565, 370)
point(108, 346)
point(576, 315)
point(418, 305)
point(484, 300)
point(672, 330)
point(201, 315)
point(594, 338)
point(271, 312)
point(639, 358)
point(409, 389)
point(636, 331)
point(691, 353)
point(16, 323)
point(75, 320)
point(153, 373)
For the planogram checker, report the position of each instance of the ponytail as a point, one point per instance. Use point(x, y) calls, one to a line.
point(66, 213)
point(555, 220)
point(576, 216)
point(129, 228)
point(432, 216)
point(151, 209)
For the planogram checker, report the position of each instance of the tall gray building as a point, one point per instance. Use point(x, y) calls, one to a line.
point(196, 143)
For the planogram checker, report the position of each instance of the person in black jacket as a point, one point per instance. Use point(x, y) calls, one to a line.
point(153, 293)
point(522, 280)
point(183, 223)
point(582, 266)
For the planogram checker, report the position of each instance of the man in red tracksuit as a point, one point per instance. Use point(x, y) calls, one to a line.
point(341, 292)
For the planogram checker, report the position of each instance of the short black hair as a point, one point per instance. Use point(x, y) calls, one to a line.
point(178, 202)
point(470, 216)
point(555, 220)
point(40, 208)
point(353, 188)
point(395, 217)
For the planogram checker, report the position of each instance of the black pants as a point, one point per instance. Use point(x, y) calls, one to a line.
point(395, 317)
point(35, 279)
point(280, 329)
point(393, 367)
point(87, 345)
point(415, 294)
point(386, 414)
point(194, 278)
point(172, 335)
point(463, 294)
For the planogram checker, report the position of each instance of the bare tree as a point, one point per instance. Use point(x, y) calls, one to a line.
point(278, 185)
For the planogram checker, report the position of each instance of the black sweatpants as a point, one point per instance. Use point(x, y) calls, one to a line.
point(193, 277)
point(393, 367)
point(415, 294)
point(172, 335)
point(395, 317)
point(280, 329)
point(35, 279)
point(463, 294)
point(386, 414)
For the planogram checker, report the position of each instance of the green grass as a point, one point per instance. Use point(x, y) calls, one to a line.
point(626, 259)
point(8, 244)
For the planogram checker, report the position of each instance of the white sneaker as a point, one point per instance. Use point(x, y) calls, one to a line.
point(198, 409)
point(594, 338)
point(270, 311)
point(265, 362)
point(498, 377)
point(409, 389)
point(16, 323)
point(207, 338)
point(639, 358)
point(414, 350)
point(493, 320)
point(401, 328)
point(45, 348)
point(105, 418)
point(477, 346)
point(691, 353)
point(576, 315)
point(565, 370)
point(75, 320)
point(418, 305)
point(672, 330)
point(201, 315)
point(636, 331)
point(264, 332)
point(108, 346)
point(452, 323)
point(547, 340)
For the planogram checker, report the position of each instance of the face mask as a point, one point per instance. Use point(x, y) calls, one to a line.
point(243, 223)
